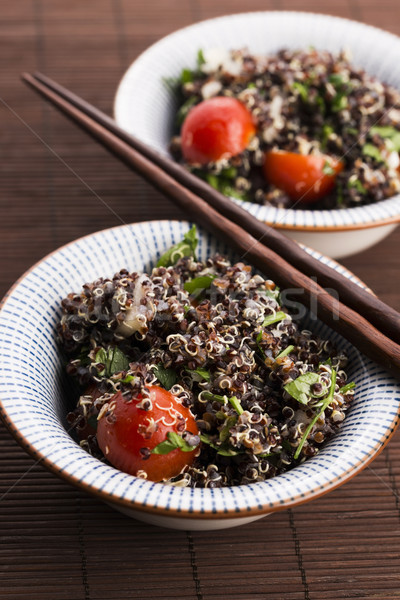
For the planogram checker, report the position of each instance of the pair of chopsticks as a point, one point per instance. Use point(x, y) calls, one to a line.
point(367, 322)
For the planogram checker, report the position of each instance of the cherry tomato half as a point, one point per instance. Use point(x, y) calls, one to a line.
point(129, 434)
point(305, 179)
point(217, 128)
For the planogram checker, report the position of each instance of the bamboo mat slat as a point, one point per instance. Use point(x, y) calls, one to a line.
point(55, 542)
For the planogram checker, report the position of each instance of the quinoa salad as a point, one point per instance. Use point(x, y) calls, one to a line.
point(304, 102)
point(195, 374)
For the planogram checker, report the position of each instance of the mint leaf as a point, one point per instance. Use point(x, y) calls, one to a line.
point(300, 388)
point(167, 377)
point(186, 247)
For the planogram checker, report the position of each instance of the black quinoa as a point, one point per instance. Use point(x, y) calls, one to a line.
point(303, 101)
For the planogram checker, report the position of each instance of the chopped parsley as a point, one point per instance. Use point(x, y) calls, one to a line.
point(199, 283)
point(173, 442)
point(346, 388)
point(186, 247)
point(284, 352)
point(324, 405)
point(372, 151)
point(167, 377)
point(300, 388)
point(327, 169)
point(113, 359)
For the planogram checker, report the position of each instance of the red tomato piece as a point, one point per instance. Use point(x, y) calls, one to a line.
point(305, 179)
point(217, 128)
point(129, 433)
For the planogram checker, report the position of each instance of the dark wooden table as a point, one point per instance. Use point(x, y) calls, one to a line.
point(57, 543)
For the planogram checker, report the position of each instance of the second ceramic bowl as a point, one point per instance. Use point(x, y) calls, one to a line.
point(145, 106)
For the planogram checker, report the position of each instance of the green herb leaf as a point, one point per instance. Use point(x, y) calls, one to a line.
point(223, 449)
point(203, 373)
point(186, 247)
point(167, 377)
point(184, 109)
point(118, 361)
point(113, 359)
point(391, 136)
point(303, 90)
point(336, 80)
point(385, 131)
point(340, 195)
point(127, 379)
point(214, 397)
point(356, 184)
point(372, 151)
point(228, 451)
point(199, 283)
point(275, 293)
point(186, 76)
point(325, 405)
point(276, 318)
point(200, 58)
point(346, 388)
point(232, 192)
point(339, 102)
point(206, 439)
point(300, 388)
point(327, 130)
point(285, 352)
point(236, 404)
point(229, 173)
point(327, 169)
point(173, 442)
point(224, 433)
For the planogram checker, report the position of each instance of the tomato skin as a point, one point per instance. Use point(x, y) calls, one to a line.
point(127, 438)
point(217, 128)
point(301, 177)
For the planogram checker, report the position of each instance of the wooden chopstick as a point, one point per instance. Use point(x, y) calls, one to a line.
point(379, 314)
point(340, 317)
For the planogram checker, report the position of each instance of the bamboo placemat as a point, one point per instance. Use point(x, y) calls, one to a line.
point(56, 185)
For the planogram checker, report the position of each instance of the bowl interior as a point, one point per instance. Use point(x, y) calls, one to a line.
point(34, 394)
point(147, 111)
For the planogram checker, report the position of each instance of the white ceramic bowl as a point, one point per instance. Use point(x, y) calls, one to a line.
point(145, 106)
point(33, 400)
